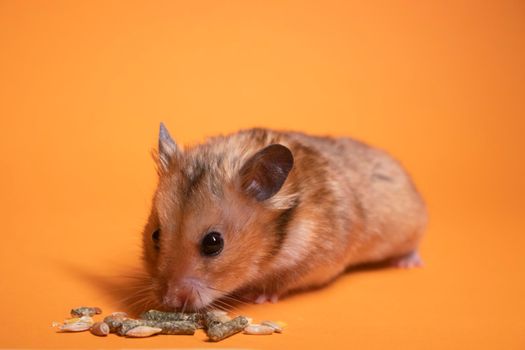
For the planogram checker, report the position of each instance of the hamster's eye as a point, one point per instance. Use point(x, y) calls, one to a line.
point(212, 244)
point(155, 236)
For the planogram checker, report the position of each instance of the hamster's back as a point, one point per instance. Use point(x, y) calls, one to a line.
point(392, 212)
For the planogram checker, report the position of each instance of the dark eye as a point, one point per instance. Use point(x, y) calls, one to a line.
point(212, 244)
point(155, 236)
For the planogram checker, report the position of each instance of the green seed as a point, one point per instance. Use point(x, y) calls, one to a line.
point(142, 332)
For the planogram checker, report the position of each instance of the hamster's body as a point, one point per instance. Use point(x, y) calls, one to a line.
point(335, 203)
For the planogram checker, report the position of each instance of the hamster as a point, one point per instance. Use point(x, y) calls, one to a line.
point(259, 214)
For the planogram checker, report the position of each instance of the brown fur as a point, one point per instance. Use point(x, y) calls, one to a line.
point(343, 203)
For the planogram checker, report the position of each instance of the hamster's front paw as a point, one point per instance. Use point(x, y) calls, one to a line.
point(261, 298)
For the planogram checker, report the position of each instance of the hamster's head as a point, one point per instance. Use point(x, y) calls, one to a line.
point(208, 234)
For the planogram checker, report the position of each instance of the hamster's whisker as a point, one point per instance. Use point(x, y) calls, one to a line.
point(140, 291)
point(205, 309)
point(138, 295)
point(138, 276)
point(135, 295)
point(231, 296)
point(227, 307)
point(134, 303)
point(137, 305)
point(200, 297)
point(221, 302)
point(234, 298)
point(185, 304)
point(131, 288)
point(222, 308)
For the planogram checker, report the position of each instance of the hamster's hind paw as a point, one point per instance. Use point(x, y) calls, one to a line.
point(408, 261)
point(263, 298)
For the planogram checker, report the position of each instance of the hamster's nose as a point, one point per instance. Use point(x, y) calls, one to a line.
point(171, 301)
point(179, 297)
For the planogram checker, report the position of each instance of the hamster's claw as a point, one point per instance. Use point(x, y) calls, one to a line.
point(408, 261)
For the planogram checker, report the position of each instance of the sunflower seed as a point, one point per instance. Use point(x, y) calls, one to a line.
point(75, 325)
point(143, 331)
point(277, 326)
point(258, 329)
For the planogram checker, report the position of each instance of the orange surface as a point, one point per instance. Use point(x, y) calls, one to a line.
point(440, 85)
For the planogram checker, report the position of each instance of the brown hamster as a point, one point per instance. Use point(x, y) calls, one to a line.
point(260, 213)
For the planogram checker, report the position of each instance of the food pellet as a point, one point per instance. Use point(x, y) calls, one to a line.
point(85, 311)
point(258, 329)
point(167, 327)
point(143, 331)
point(211, 319)
point(220, 331)
point(155, 315)
point(178, 327)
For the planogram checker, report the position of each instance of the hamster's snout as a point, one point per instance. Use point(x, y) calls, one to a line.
point(186, 294)
point(177, 298)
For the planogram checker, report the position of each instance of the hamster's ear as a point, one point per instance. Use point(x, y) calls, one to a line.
point(263, 175)
point(167, 148)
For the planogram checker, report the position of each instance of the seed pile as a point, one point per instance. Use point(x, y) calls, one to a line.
point(217, 324)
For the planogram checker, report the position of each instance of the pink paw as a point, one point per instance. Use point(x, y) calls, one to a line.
point(263, 298)
point(408, 261)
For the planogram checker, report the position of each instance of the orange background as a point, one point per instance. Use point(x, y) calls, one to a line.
point(439, 84)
